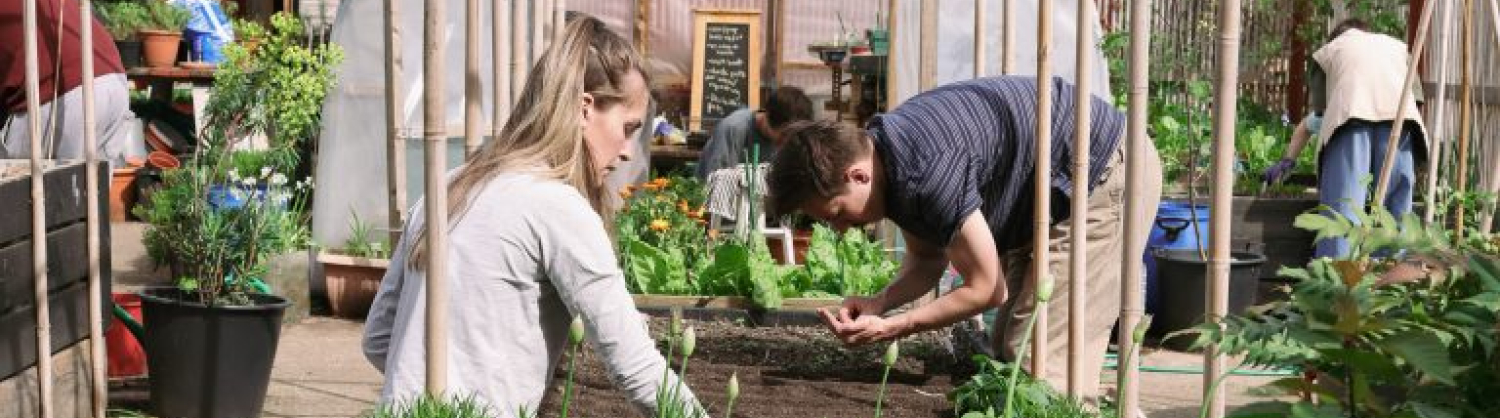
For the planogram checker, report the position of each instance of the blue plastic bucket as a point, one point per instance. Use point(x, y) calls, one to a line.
point(1172, 230)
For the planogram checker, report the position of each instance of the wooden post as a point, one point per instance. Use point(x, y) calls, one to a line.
point(1383, 182)
point(520, 63)
point(434, 125)
point(1042, 204)
point(1132, 302)
point(38, 214)
point(1465, 108)
point(538, 30)
point(1008, 37)
point(891, 84)
point(473, 121)
point(1296, 98)
point(1225, 102)
point(775, 30)
point(500, 48)
point(643, 27)
point(1078, 258)
point(91, 202)
point(980, 10)
point(395, 144)
point(928, 75)
point(1488, 222)
point(1439, 117)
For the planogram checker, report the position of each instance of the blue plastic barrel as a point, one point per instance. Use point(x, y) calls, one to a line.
point(1172, 230)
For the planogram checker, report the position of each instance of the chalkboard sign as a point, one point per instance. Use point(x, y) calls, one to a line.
point(726, 64)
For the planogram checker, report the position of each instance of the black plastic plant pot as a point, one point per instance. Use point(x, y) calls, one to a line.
point(209, 362)
point(130, 53)
point(1184, 283)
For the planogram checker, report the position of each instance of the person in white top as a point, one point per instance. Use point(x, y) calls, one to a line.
point(528, 248)
point(1355, 86)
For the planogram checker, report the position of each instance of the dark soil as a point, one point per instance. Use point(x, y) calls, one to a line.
point(800, 372)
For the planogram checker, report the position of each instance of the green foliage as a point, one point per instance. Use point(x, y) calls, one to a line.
point(664, 250)
point(164, 16)
point(1383, 337)
point(215, 247)
point(360, 244)
point(276, 89)
point(122, 19)
point(984, 395)
point(427, 406)
point(847, 265)
point(247, 30)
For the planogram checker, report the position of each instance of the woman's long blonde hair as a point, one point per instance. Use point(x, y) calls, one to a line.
point(544, 133)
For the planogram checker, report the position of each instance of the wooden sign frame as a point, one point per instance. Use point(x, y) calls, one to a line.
point(701, 19)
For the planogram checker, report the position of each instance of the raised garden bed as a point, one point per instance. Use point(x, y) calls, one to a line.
point(789, 371)
point(793, 311)
point(67, 258)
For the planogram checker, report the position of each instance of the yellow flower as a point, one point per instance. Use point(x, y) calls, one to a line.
point(660, 225)
point(682, 205)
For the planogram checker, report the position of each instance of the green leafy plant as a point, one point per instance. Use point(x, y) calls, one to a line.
point(661, 234)
point(669, 401)
point(1414, 334)
point(276, 90)
point(844, 265)
point(164, 16)
point(360, 243)
point(218, 228)
point(122, 19)
point(248, 30)
point(427, 406)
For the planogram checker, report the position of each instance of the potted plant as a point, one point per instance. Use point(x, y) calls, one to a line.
point(161, 32)
point(249, 33)
point(123, 20)
point(353, 272)
point(213, 335)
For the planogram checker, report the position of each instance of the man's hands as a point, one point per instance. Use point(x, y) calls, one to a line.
point(859, 322)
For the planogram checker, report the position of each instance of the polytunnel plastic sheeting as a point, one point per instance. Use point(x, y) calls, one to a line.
point(955, 50)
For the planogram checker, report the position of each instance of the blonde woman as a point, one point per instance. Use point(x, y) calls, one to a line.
point(528, 248)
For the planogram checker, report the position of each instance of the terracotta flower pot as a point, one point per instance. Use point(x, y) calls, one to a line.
point(160, 47)
point(352, 282)
point(122, 195)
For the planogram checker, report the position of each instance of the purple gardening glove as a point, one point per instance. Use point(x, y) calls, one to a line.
point(1279, 171)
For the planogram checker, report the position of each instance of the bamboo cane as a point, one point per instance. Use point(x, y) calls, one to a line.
point(91, 201)
point(395, 145)
point(539, 12)
point(1488, 223)
point(929, 45)
point(1464, 109)
point(1439, 116)
point(1077, 280)
point(981, 12)
point(1131, 300)
point(473, 122)
point(1008, 37)
point(502, 66)
point(559, 19)
point(520, 62)
point(1397, 123)
point(434, 125)
point(890, 65)
point(38, 215)
point(1043, 201)
point(1225, 102)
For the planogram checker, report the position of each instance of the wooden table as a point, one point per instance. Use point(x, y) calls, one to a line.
point(161, 78)
point(665, 158)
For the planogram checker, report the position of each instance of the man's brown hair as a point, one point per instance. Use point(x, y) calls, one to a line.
point(1346, 25)
point(811, 163)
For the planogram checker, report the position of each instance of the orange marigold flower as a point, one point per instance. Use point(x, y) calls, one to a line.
point(662, 182)
point(651, 187)
point(697, 214)
point(682, 205)
point(660, 225)
point(701, 222)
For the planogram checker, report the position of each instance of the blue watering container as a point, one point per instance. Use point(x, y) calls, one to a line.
point(1172, 230)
